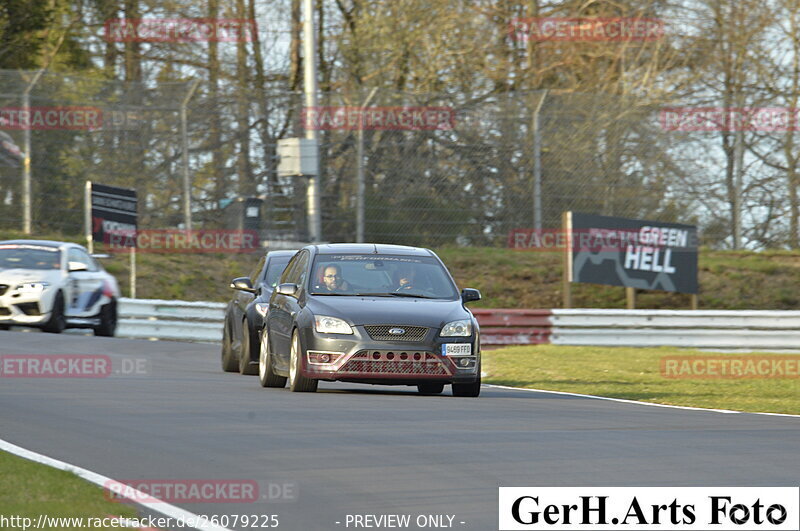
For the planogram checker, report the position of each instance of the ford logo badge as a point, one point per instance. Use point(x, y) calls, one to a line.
point(397, 331)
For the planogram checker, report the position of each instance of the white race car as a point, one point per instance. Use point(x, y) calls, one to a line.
point(55, 285)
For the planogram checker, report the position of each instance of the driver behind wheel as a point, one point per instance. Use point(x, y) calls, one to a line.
point(332, 280)
point(406, 278)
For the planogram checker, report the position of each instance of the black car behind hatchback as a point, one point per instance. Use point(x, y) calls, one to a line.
point(370, 313)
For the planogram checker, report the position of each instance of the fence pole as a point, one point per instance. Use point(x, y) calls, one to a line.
point(26, 162)
point(360, 187)
point(537, 166)
point(187, 184)
point(313, 195)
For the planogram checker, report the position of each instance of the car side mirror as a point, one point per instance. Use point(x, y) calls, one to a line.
point(77, 266)
point(288, 289)
point(242, 284)
point(469, 295)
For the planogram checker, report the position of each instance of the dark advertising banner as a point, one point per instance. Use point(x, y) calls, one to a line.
point(113, 211)
point(649, 255)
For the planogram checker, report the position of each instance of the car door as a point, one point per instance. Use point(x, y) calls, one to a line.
point(85, 281)
point(283, 309)
point(241, 299)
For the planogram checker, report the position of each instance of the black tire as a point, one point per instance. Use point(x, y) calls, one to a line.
point(57, 322)
point(266, 376)
point(108, 320)
point(245, 367)
point(430, 388)
point(468, 389)
point(229, 363)
point(297, 382)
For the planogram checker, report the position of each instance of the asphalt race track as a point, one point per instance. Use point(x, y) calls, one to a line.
point(356, 449)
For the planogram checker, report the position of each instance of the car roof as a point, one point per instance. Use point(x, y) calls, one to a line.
point(370, 248)
point(45, 243)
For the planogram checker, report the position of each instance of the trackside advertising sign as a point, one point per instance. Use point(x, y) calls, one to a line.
point(113, 211)
point(648, 255)
point(649, 508)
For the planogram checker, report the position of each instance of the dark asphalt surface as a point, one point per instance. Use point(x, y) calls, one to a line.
point(357, 449)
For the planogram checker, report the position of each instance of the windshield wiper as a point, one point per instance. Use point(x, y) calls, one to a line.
point(396, 294)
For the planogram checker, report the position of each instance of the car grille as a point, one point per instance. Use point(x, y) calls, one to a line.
point(3, 289)
point(29, 308)
point(385, 362)
point(410, 333)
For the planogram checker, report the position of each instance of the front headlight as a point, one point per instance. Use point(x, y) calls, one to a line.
point(331, 325)
point(262, 308)
point(32, 287)
point(461, 328)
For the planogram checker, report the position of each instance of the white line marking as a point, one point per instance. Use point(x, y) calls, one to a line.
point(158, 506)
point(637, 402)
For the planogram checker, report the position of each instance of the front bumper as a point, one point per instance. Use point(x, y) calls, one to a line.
point(26, 309)
point(360, 358)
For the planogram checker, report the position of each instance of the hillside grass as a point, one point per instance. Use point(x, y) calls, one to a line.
point(507, 278)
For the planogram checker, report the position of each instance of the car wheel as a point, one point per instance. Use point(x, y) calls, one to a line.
point(430, 388)
point(265, 374)
point(229, 363)
point(244, 356)
point(108, 320)
point(297, 382)
point(57, 322)
point(469, 389)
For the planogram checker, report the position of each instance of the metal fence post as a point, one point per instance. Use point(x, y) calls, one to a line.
point(360, 187)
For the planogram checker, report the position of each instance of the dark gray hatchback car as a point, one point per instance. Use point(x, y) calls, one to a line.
point(370, 313)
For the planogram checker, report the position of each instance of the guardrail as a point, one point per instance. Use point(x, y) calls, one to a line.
point(180, 320)
point(726, 329)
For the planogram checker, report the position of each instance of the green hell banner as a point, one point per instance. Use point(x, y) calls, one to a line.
point(635, 253)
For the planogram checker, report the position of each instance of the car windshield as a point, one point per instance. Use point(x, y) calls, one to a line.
point(381, 275)
point(29, 257)
point(274, 270)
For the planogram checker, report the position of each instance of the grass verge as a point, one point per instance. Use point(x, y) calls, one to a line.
point(634, 374)
point(29, 489)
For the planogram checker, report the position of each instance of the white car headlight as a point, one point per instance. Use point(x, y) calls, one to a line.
point(331, 325)
point(32, 287)
point(262, 308)
point(462, 328)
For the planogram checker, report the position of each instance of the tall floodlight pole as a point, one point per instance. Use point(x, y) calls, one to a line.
point(187, 182)
point(310, 83)
point(360, 187)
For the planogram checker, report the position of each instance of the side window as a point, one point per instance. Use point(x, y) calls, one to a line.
point(76, 255)
point(296, 272)
point(289, 271)
point(256, 273)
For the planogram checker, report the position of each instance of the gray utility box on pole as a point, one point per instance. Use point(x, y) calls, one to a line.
point(297, 157)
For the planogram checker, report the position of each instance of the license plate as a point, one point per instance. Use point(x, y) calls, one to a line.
point(457, 349)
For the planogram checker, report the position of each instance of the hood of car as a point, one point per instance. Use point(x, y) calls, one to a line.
point(432, 313)
point(13, 277)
